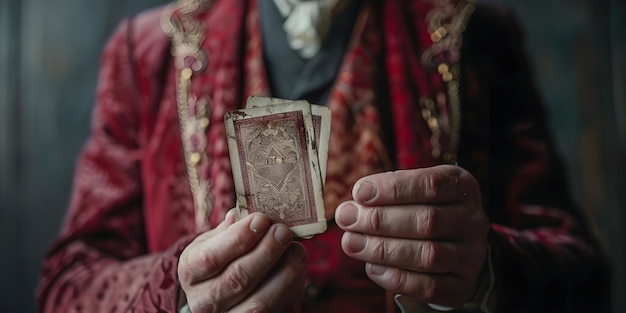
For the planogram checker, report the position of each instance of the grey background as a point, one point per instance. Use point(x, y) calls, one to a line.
point(49, 55)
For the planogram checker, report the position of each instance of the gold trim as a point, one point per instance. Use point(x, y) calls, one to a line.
point(180, 22)
point(446, 24)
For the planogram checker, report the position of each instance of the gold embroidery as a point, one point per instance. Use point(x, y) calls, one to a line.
point(446, 24)
point(180, 22)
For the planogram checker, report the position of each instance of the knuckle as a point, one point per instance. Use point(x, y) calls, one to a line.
point(236, 279)
point(431, 186)
point(399, 281)
point(376, 219)
point(240, 244)
point(209, 260)
point(193, 258)
point(429, 221)
point(429, 255)
point(392, 186)
point(263, 257)
point(259, 306)
point(204, 306)
point(430, 289)
point(380, 250)
point(267, 253)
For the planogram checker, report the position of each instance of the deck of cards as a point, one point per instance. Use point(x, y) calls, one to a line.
point(278, 151)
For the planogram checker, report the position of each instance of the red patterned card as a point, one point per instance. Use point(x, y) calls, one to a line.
point(275, 165)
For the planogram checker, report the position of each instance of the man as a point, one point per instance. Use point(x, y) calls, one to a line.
point(494, 229)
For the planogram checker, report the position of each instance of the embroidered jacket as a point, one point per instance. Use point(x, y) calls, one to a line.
point(397, 100)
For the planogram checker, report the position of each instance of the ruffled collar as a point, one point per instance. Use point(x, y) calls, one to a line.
point(306, 23)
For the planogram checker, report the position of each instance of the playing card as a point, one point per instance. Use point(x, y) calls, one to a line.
point(275, 165)
point(321, 126)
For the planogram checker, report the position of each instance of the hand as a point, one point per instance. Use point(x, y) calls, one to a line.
point(422, 232)
point(247, 266)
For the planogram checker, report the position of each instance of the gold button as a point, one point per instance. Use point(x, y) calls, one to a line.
point(437, 35)
point(195, 157)
point(447, 76)
point(443, 68)
point(204, 122)
point(426, 113)
point(186, 73)
point(433, 122)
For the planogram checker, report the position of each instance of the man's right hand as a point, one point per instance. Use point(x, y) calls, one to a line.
point(244, 266)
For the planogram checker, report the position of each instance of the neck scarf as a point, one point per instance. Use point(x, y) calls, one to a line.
point(306, 23)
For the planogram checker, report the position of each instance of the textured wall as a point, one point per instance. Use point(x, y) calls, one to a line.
point(49, 54)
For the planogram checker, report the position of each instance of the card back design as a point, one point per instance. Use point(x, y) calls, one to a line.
point(273, 158)
point(275, 164)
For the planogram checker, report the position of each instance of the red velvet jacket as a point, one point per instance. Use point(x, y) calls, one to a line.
point(132, 213)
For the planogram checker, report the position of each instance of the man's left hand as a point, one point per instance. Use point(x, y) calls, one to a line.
point(422, 232)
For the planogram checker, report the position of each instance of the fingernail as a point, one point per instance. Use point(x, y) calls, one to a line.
point(356, 243)
point(347, 215)
point(376, 269)
point(259, 224)
point(299, 252)
point(282, 235)
point(230, 216)
point(365, 191)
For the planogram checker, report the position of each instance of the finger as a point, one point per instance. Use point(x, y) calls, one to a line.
point(244, 274)
point(423, 256)
point(280, 289)
point(210, 255)
point(230, 217)
point(440, 184)
point(442, 289)
point(449, 222)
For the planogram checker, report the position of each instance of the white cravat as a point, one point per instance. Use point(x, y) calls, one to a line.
point(306, 24)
